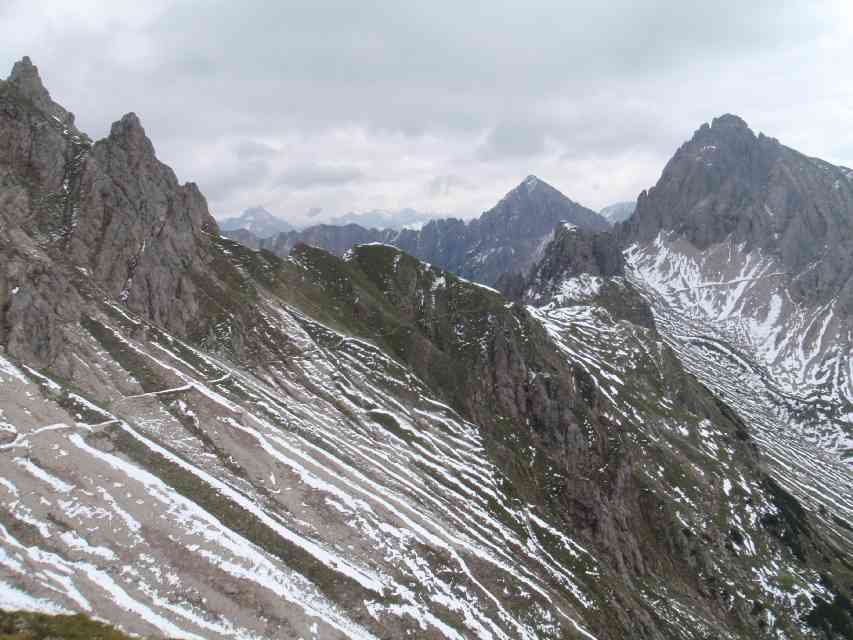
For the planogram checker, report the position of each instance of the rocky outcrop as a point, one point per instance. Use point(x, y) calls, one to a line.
point(509, 238)
point(746, 243)
point(110, 209)
point(580, 267)
point(28, 84)
point(573, 252)
point(144, 236)
point(727, 183)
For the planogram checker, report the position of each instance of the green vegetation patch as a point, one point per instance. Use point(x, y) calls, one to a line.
point(23, 625)
point(141, 368)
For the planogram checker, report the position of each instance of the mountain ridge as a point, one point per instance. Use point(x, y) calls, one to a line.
point(750, 243)
point(508, 237)
point(257, 221)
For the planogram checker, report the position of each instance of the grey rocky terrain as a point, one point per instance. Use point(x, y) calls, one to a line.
point(200, 440)
point(750, 244)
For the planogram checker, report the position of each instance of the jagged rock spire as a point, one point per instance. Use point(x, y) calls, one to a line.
point(26, 79)
point(129, 134)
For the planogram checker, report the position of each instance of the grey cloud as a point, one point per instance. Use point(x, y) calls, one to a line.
point(253, 149)
point(242, 177)
point(385, 219)
point(444, 185)
point(512, 141)
point(405, 91)
point(314, 176)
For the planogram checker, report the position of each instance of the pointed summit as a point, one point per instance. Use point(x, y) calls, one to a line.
point(533, 186)
point(26, 79)
point(258, 221)
point(535, 198)
point(128, 125)
point(729, 121)
point(531, 182)
point(129, 134)
point(728, 130)
point(26, 75)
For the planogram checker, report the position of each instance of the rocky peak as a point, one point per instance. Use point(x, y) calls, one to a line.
point(111, 209)
point(541, 207)
point(531, 182)
point(26, 79)
point(533, 188)
point(25, 76)
point(129, 126)
point(728, 185)
point(727, 139)
point(129, 135)
point(580, 266)
point(723, 182)
point(726, 126)
point(729, 121)
point(576, 251)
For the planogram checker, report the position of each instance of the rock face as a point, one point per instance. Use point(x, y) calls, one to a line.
point(257, 221)
point(727, 184)
point(27, 81)
point(582, 267)
point(573, 252)
point(748, 243)
point(142, 239)
point(509, 238)
point(200, 440)
point(151, 257)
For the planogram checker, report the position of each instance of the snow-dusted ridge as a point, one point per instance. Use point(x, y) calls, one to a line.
point(740, 298)
point(296, 435)
point(784, 368)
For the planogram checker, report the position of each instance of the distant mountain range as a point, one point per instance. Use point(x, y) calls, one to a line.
point(508, 238)
point(257, 221)
point(618, 212)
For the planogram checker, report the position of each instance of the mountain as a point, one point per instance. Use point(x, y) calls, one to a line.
point(618, 212)
point(581, 266)
point(257, 221)
point(747, 248)
point(508, 238)
point(244, 237)
point(199, 440)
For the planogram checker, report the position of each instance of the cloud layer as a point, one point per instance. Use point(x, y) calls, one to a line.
point(440, 106)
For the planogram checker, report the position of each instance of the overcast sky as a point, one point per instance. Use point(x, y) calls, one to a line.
point(442, 106)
